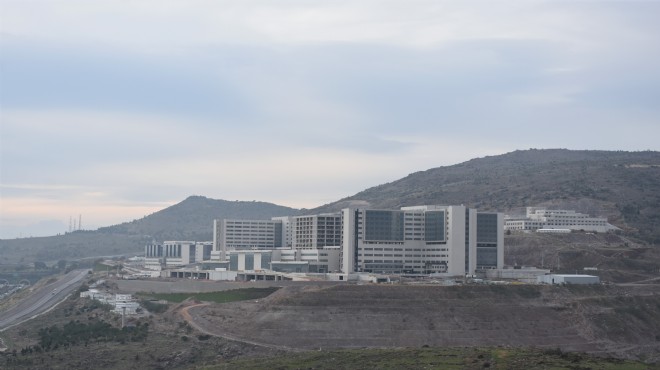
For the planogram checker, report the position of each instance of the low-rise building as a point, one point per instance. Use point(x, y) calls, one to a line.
point(547, 219)
point(567, 279)
point(176, 253)
point(121, 303)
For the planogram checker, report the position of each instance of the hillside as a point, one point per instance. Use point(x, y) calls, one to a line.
point(191, 219)
point(623, 186)
point(613, 321)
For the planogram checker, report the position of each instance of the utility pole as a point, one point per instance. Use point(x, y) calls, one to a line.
point(123, 316)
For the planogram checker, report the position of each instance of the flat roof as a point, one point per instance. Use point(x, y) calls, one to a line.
point(572, 275)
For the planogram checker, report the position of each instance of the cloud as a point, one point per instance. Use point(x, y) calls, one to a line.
point(173, 26)
point(113, 103)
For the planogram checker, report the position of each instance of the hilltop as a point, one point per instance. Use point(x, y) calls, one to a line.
point(623, 186)
point(191, 219)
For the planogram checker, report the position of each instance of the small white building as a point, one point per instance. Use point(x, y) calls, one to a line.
point(121, 303)
point(567, 279)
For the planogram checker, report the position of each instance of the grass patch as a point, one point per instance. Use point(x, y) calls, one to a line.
point(100, 267)
point(433, 358)
point(217, 297)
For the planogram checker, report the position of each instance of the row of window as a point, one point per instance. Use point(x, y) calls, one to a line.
point(401, 256)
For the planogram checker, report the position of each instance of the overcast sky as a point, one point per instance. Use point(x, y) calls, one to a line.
point(116, 109)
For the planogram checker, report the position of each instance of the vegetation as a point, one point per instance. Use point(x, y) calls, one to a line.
point(75, 332)
point(217, 297)
point(433, 358)
point(99, 266)
point(153, 307)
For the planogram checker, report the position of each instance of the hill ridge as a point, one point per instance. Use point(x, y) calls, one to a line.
point(623, 186)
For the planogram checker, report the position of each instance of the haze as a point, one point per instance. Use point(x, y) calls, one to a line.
point(117, 109)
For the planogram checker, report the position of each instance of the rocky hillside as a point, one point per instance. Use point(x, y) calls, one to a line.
point(192, 219)
point(614, 258)
point(624, 186)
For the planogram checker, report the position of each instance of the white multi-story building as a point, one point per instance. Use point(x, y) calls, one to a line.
point(245, 234)
point(299, 232)
point(541, 218)
point(316, 231)
point(448, 240)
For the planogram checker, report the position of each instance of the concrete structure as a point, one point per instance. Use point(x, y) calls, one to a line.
point(316, 231)
point(553, 231)
point(299, 232)
point(287, 230)
point(121, 303)
point(446, 240)
point(541, 218)
point(193, 273)
point(523, 274)
point(251, 260)
point(568, 279)
point(245, 234)
point(324, 260)
point(176, 253)
point(430, 239)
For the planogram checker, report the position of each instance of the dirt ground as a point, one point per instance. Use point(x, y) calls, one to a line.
point(612, 321)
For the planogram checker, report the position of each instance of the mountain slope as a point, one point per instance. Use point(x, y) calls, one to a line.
point(191, 219)
point(624, 186)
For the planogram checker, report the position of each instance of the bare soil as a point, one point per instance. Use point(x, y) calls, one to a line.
point(613, 321)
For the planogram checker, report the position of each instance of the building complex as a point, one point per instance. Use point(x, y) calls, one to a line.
point(546, 219)
point(420, 240)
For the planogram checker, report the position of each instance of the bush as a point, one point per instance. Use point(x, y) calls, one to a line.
point(154, 307)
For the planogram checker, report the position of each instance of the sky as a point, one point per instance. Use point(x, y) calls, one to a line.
point(112, 110)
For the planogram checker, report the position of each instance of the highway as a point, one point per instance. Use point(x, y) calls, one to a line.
point(42, 299)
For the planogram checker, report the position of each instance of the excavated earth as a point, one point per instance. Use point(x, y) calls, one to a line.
point(614, 321)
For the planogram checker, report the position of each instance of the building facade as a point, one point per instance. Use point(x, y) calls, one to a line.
point(447, 240)
point(429, 239)
point(176, 253)
point(316, 231)
point(245, 234)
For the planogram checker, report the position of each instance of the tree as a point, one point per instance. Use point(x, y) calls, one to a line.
point(61, 264)
point(40, 265)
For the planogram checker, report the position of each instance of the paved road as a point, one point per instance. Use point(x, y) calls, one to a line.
point(42, 300)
